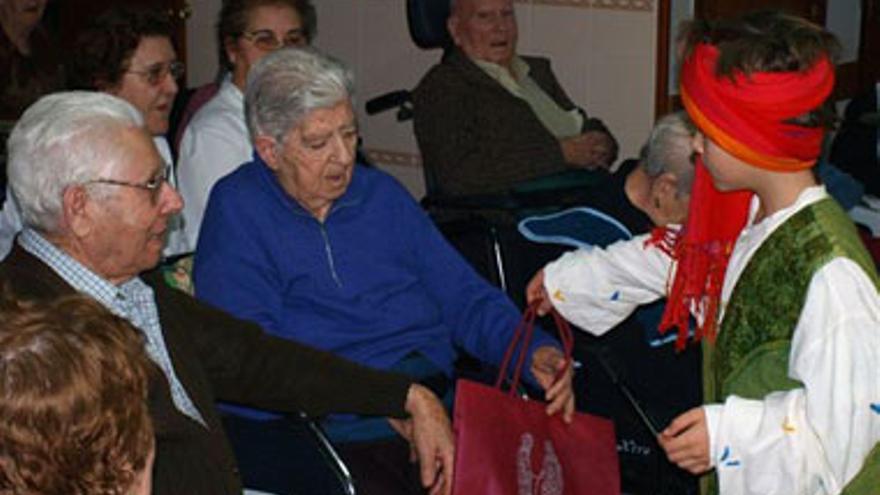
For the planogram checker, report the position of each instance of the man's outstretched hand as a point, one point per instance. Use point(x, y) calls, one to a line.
point(430, 435)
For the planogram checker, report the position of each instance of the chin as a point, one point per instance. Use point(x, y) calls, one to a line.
point(158, 126)
point(152, 255)
point(152, 259)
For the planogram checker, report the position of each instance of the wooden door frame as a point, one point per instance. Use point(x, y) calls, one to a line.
point(662, 101)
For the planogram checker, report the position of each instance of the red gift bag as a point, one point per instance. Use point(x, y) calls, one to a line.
point(507, 445)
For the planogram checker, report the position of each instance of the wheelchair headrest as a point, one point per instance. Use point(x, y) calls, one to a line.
point(427, 23)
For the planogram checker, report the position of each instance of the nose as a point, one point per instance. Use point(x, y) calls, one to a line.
point(500, 22)
point(343, 151)
point(170, 200)
point(169, 84)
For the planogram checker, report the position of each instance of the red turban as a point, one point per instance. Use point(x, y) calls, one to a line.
point(749, 116)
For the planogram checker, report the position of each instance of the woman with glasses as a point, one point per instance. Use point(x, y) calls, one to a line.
point(126, 52)
point(216, 140)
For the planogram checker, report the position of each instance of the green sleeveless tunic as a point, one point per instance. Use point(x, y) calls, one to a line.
point(750, 356)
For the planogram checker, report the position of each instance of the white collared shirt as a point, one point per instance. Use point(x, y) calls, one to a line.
point(215, 143)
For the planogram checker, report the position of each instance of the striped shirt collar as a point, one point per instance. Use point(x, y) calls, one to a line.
point(76, 274)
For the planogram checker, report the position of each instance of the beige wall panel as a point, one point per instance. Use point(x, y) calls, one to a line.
point(562, 34)
point(621, 80)
point(389, 61)
point(339, 29)
point(201, 49)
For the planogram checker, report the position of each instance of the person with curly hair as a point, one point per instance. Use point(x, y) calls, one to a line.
point(127, 52)
point(73, 389)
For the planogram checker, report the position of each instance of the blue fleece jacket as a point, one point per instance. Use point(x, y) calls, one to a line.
point(374, 282)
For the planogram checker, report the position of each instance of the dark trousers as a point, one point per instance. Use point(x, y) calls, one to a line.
point(280, 456)
point(382, 467)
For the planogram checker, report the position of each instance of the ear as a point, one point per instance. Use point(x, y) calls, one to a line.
point(669, 204)
point(74, 211)
point(665, 187)
point(267, 150)
point(452, 27)
point(229, 47)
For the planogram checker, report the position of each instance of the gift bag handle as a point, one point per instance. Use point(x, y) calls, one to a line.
point(522, 337)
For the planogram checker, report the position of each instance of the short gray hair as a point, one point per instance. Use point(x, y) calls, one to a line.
point(62, 140)
point(670, 149)
point(288, 84)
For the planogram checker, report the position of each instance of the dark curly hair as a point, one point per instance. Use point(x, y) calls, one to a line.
point(234, 17)
point(102, 52)
point(73, 388)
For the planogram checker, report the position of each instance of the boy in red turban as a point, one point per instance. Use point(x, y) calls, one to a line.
point(766, 261)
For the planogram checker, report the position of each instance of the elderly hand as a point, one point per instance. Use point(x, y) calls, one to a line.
point(686, 441)
point(536, 291)
point(430, 436)
point(590, 150)
point(547, 362)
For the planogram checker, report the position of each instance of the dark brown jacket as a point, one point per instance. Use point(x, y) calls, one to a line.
point(217, 356)
point(476, 137)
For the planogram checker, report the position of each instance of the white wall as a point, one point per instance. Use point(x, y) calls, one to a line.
point(602, 51)
point(201, 49)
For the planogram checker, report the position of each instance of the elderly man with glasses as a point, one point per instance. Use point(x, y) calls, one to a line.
point(127, 53)
point(96, 204)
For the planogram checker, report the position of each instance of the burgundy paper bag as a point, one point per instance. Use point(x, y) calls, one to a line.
point(507, 445)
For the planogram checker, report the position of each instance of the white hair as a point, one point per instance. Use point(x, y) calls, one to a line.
point(670, 148)
point(64, 139)
point(286, 85)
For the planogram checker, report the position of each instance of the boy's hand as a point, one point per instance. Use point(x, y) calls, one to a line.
point(535, 291)
point(686, 441)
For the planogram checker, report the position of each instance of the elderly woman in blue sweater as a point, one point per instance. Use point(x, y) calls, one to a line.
point(317, 248)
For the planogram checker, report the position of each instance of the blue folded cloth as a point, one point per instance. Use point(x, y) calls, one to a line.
point(585, 228)
point(580, 227)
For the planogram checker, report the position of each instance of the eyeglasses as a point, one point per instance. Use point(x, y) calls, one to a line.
point(156, 73)
point(153, 185)
point(267, 41)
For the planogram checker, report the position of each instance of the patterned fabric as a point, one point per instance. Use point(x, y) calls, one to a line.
point(178, 275)
point(132, 300)
point(751, 358)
